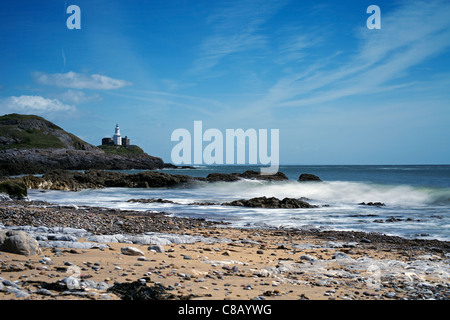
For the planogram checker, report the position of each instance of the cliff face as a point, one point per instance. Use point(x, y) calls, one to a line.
point(31, 144)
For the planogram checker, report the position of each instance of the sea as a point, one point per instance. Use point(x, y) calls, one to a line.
point(416, 198)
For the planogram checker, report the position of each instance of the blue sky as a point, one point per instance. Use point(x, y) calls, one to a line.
point(338, 92)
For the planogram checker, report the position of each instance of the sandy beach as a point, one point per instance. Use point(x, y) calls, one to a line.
point(229, 264)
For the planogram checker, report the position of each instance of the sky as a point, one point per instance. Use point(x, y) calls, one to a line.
point(337, 91)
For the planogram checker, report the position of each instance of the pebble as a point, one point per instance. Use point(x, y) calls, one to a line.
point(18, 293)
point(45, 260)
point(340, 255)
point(390, 294)
point(131, 251)
point(156, 248)
point(9, 283)
point(71, 283)
point(307, 257)
point(44, 292)
point(141, 258)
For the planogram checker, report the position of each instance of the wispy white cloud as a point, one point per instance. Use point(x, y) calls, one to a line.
point(79, 81)
point(77, 97)
point(161, 99)
point(34, 104)
point(235, 28)
point(293, 48)
point(413, 33)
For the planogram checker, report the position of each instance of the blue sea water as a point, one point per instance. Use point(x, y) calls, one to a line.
point(416, 198)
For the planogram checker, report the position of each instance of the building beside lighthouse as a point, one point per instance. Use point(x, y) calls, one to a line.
point(117, 139)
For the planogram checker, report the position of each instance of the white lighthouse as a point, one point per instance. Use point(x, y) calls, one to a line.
point(116, 138)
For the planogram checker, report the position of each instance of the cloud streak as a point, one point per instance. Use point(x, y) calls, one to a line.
point(75, 80)
point(235, 28)
point(199, 105)
point(409, 36)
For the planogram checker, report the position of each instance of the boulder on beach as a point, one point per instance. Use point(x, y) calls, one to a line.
point(18, 242)
point(308, 177)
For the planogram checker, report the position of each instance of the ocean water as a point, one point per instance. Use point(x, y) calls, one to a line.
point(416, 198)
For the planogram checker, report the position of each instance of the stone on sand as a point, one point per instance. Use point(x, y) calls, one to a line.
point(18, 242)
point(131, 251)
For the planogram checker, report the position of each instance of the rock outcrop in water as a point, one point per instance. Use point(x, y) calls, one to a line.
point(308, 177)
point(13, 189)
point(249, 174)
point(375, 204)
point(272, 202)
point(96, 179)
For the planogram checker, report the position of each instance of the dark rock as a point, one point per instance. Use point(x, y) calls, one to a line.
point(376, 204)
point(393, 219)
point(30, 161)
point(249, 174)
point(74, 181)
point(203, 204)
point(151, 200)
point(16, 190)
point(140, 291)
point(308, 177)
point(272, 202)
point(214, 177)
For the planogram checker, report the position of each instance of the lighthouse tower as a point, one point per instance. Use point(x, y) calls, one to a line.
point(116, 138)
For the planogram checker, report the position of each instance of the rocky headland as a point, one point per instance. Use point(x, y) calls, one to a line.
point(30, 144)
point(39, 161)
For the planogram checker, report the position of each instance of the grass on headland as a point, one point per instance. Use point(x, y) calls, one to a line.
point(122, 151)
